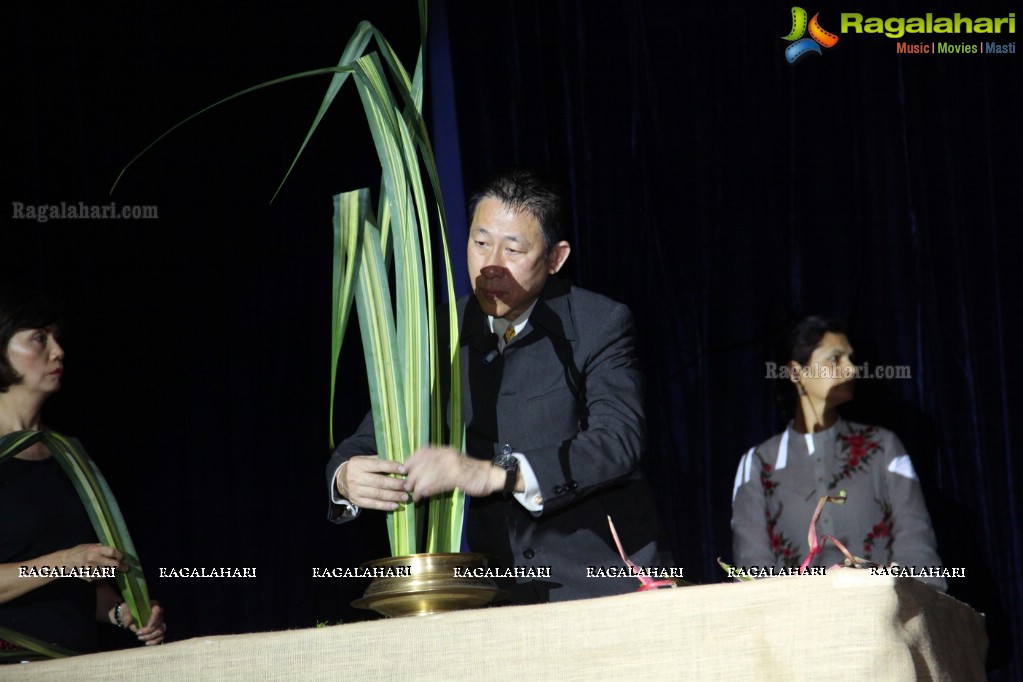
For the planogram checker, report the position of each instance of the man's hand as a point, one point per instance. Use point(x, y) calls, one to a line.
point(366, 481)
point(433, 470)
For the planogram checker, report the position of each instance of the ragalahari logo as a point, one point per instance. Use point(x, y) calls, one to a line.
point(801, 46)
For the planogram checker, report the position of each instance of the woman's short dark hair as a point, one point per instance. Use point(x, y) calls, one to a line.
point(525, 190)
point(21, 309)
point(797, 345)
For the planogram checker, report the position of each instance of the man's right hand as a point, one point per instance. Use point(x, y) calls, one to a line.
point(366, 481)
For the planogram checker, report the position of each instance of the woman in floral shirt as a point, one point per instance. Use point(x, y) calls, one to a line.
point(779, 483)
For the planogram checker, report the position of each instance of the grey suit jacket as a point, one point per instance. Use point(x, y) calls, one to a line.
point(567, 393)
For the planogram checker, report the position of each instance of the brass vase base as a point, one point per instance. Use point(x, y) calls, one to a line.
point(424, 584)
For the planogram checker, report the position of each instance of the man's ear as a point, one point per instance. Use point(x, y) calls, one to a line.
point(557, 257)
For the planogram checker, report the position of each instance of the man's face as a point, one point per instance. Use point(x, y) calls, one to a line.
point(506, 259)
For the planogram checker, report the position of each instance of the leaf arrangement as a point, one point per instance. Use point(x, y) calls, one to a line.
point(399, 329)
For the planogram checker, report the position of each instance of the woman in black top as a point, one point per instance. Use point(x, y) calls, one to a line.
point(42, 522)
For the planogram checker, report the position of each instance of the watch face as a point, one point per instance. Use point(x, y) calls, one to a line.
point(506, 461)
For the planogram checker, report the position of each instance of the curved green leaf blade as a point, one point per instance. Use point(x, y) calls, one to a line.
point(100, 506)
point(106, 518)
point(376, 323)
point(34, 648)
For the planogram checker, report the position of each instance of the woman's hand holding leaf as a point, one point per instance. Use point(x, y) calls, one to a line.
point(93, 555)
point(154, 631)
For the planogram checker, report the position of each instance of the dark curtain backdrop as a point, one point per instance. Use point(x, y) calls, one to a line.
point(722, 193)
point(716, 189)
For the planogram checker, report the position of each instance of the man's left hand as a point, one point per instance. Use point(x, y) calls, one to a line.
point(433, 470)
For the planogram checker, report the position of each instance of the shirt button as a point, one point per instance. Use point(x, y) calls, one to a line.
point(529, 554)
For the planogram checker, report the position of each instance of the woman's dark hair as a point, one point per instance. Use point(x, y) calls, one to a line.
point(21, 309)
point(797, 344)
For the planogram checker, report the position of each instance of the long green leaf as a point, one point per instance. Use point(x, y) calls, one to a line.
point(412, 101)
point(333, 70)
point(353, 50)
point(106, 515)
point(349, 214)
point(13, 443)
point(34, 648)
point(447, 510)
point(100, 505)
point(376, 323)
point(448, 513)
point(412, 301)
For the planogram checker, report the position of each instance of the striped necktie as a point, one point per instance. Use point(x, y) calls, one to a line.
point(505, 332)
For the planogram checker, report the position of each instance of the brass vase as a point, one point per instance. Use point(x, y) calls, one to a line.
point(423, 584)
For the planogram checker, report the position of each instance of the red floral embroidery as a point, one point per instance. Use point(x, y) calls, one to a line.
point(780, 545)
point(858, 446)
point(881, 532)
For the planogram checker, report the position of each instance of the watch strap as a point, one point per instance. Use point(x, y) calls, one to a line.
point(511, 476)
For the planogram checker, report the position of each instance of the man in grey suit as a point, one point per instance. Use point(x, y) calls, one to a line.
point(554, 415)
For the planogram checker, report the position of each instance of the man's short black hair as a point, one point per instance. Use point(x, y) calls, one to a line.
point(21, 309)
point(524, 190)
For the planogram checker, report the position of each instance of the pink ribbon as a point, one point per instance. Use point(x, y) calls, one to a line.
point(648, 583)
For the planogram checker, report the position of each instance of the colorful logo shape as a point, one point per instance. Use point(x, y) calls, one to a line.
point(801, 46)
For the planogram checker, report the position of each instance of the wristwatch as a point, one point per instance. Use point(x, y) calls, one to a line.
point(510, 463)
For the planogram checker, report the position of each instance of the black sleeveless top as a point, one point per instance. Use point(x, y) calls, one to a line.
point(40, 512)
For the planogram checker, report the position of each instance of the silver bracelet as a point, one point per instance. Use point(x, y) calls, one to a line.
point(117, 615)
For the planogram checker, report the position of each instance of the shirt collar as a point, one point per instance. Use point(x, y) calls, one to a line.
point(519, 323)
point(812, 439)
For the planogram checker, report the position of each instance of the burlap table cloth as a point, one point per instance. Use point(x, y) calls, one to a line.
point(844, 626)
